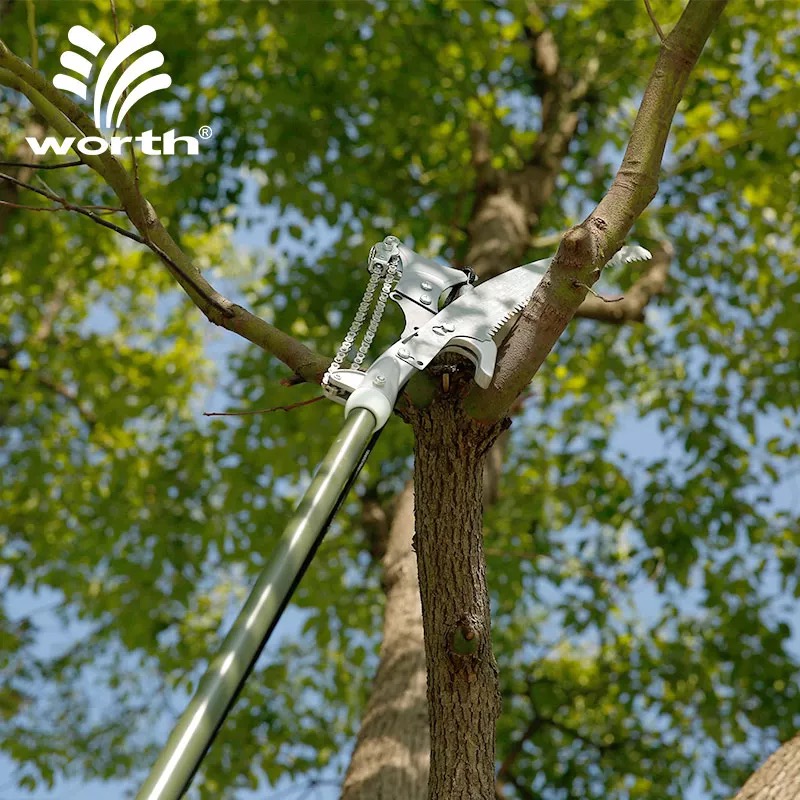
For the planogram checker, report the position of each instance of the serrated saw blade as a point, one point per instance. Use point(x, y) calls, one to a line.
point(484, 310)
point(471, 323)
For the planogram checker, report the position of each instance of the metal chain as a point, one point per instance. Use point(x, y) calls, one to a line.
point(377, 313)
point(380, 267)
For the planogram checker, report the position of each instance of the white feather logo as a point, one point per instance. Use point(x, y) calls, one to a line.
point(137, 40)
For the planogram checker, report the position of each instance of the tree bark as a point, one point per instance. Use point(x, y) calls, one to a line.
point(778, 778)
point(463, 691)
point(392, 752)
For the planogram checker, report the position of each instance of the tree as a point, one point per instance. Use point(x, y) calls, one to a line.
point(478, 134)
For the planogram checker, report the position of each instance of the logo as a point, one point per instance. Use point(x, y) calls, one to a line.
point(118, 99)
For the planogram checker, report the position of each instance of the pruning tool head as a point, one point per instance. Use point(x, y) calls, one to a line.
point(473, 321)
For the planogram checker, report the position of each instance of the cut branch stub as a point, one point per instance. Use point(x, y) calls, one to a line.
point(465, 639)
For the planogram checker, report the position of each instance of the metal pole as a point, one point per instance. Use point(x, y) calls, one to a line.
point(225, 676)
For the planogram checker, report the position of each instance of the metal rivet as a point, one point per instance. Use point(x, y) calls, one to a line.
point(426, 286)
point(449, 328)
point(403, 353)
point(426, 299)
point(379, 380)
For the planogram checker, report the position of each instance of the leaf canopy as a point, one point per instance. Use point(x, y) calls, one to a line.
point(643, 554)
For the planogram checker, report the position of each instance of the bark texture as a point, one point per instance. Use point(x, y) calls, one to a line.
point(778, 778)
point(463, 694)
point(392, 752)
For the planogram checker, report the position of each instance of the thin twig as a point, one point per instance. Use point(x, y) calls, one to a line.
point(30, 165)
point(654, 20)
point(99, 209)
point(78, 209)
point(263, 410)
point(50, 195)
point(599, 296)
point(31, 19)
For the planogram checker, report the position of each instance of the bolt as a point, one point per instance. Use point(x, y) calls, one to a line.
point(426, 286)
point(379, 380)
point(390, 240)
point(449, 328)
point(426, 299)
point(403, 353)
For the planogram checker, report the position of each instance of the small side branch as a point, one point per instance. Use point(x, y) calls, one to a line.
point(33, 165)
point(654, 20)
point(290, 407)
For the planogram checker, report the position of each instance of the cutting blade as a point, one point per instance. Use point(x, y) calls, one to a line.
point(471, 323)
point(481, 312)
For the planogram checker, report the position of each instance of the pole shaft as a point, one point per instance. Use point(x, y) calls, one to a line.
point(219, 687)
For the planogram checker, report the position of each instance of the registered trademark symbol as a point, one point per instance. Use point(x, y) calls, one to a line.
point(205, 132)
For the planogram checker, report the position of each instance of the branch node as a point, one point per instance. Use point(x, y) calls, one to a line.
point(577, 247)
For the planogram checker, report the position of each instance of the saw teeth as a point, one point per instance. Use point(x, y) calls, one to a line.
point(507, 316)
point(628, 254)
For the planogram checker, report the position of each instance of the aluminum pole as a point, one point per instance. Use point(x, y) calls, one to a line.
point(195, 730)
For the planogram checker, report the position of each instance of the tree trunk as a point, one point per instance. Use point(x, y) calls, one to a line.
point(778, 778)
point(463, 694)
point(392, 752)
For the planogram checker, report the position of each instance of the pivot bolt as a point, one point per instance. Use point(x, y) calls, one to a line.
point(379, 380)
point(426, 299)
point(426, 286)
point(403, 353)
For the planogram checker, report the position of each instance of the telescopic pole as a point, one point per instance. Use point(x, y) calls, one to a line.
point(195, 730)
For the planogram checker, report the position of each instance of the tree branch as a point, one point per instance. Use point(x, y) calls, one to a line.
point(654, 20)
point(777, 778)
point(62, 390)
point(34, 165)
point(586, 248)
point(68, 119)
point(505, 771)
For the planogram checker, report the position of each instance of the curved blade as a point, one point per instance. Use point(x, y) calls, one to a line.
point(481, 312)
point(470, 323)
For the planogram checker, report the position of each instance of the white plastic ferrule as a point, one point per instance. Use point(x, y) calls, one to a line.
point(374, 400)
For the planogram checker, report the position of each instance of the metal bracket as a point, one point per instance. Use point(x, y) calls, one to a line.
point(419, 291)
point(424, 286)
